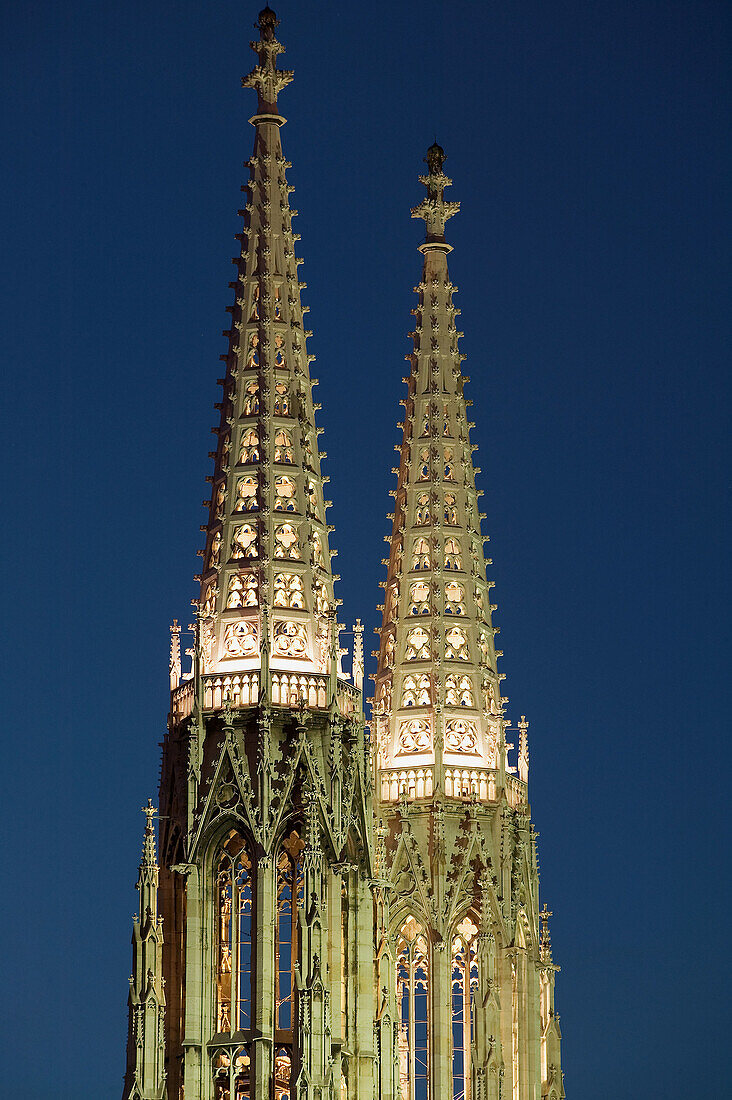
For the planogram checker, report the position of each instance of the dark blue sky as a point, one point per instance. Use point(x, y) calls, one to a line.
point(588, 145)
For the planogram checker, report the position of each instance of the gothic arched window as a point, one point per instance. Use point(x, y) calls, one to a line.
point(232, 1073)
point(285, 494)
point(283, 447)
point(282, 400)
point(422, 514)
point(249, 446)
point(464, 982)
point(254, 315)
point(454, 598)
point(418, 645)
point(279, 351)
point(419, 598)
point(289, 901)
point(234, 889)
point(246, 494)
point(420, 554)
point(283, 1073)
point(413, 1000)
point(253, 351)
point(453, 559)
point(251, 401)
point(288, 590)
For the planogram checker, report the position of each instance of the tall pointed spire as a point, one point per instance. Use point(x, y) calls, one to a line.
point(145, 1076)
point(266, 536)
point(438, 704)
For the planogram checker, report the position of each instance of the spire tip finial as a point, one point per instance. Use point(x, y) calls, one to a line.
point(435, 158)
point(266, 78)
point(267, 21)
point(434, 209)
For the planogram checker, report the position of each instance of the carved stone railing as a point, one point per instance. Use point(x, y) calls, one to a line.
point(349, 697)
point(288, 688)
point(481, 783)
point(182, 700)
point(241, 689)
point(462, 783)
point(516, 791)
point(412, 782)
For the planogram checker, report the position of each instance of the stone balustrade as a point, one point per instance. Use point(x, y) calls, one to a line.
point(241, 689)
point(464, 783)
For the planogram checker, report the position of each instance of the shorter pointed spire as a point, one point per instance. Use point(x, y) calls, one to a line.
point(433, 208)
point(149, 857)
point(145, 1076)
point(358, 655)
point(545, 941)
point(175, 664)
point(523, 753)
point(437, 704)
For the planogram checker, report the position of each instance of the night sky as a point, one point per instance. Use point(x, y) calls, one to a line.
point(586, 142)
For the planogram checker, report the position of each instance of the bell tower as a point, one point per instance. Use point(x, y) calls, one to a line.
point(331, 913)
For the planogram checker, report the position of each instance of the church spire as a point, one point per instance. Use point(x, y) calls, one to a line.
point(266, 559)
point(438, 704)
point(145, 1076)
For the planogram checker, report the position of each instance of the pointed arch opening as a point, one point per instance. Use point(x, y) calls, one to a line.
point(234, 896)
point(413, 1008)
point(232, 1073)
point(464, 984)
point(290, 898)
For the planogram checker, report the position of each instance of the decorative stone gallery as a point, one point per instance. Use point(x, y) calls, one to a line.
point(342, 910)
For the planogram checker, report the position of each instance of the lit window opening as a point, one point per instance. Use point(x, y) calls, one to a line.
point(413, 994)
point(464, 982)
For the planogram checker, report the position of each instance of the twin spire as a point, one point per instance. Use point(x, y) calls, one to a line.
point(438, 708)
point(267, 588)
point(267, 607)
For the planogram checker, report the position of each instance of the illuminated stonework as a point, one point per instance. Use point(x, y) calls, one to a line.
point(339, 914)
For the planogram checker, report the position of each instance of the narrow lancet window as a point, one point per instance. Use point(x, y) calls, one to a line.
point(234, 936)
point(413, 995)
point(464, 984)
point(289, 902)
